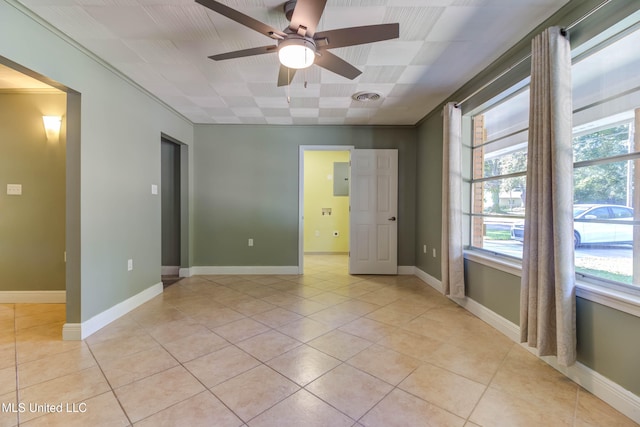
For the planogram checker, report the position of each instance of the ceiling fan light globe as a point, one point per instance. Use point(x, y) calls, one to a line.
point(296, 54)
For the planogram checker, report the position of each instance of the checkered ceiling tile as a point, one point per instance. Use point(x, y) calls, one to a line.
point(163, 46)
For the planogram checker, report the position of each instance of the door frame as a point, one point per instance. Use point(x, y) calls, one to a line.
point(302, 150)
point(185, 234)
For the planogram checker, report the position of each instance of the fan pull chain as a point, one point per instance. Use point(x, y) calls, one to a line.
point(288, 86)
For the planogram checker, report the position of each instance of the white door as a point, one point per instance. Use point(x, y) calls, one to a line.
point(373, 240)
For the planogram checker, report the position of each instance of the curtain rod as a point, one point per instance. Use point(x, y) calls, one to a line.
point(528, 56)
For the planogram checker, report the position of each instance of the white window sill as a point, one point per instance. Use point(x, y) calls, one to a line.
point(626, 302)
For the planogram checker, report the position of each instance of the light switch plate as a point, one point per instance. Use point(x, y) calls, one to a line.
point(154, 189)
point(14, 189)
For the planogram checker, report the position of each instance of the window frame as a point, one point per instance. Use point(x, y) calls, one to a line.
point(607, 292)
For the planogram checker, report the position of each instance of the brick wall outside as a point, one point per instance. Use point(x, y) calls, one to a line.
point(479, 137)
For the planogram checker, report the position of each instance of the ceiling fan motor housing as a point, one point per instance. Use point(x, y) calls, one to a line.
point(288, 9)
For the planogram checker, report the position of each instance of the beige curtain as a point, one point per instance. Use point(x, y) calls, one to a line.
point(452, 244)
point(547, 303)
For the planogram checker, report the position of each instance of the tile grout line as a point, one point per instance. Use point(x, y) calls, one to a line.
point(576, 406)
point(113, 392)
point(504, 358)
point(206, 389)
point(15, 360)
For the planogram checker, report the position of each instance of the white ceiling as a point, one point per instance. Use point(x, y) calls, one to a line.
point(163, 45)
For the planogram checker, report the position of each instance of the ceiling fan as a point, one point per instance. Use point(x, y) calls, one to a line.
point(299, 45)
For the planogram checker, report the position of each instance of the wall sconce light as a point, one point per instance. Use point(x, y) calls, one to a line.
point(52, 127)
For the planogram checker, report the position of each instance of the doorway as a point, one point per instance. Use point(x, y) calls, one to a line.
point(171, 196)
point(324, 204)
point(47, 169)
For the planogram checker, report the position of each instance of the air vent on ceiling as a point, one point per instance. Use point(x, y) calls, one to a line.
point(366, 96)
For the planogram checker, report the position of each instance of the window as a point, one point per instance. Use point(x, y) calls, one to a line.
point(606, 102)
point(499, 153)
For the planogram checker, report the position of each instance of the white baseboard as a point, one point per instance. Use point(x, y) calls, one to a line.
point(503, 325)
point(170, 270)
point(406, 270)
point(277, 270)
point(33, 297)
point(612, 393)
point(284, 270)
point(80, 331)
point(428, 279)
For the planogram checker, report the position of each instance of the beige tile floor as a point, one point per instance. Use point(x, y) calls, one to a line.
point(323, 349)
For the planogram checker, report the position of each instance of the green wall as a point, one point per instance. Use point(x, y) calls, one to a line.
point(32, 226)
point(607, 343)
point(116, 157)
point(497, 290)
point(246, 186)
point(429, 196)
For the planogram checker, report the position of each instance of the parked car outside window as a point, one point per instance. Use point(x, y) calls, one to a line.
point(587, 228)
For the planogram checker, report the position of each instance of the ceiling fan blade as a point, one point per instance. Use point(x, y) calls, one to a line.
point(285, 75)
point(336, 64)
point(359, 35)
point(307, 14)
point(245, 52)
point(243, 19)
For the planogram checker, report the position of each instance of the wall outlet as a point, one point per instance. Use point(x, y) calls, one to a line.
point(250, 242)
point(424, 249)
point(14, 189)
point(434, 252)
point(129, 264)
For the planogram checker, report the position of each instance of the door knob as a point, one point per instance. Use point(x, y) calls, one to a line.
point(393, 218)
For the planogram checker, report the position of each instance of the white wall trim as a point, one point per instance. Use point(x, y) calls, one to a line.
point(627, 301)
point(185, 272)
point(80, 331)
point(503, 325)
point(266, 269)
point(429, 279)
point(33, 297)
point(490, 260)
point(406, 270)
point(170, 270)
point(621, 301)
point(72, 331)
point(612, 393)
